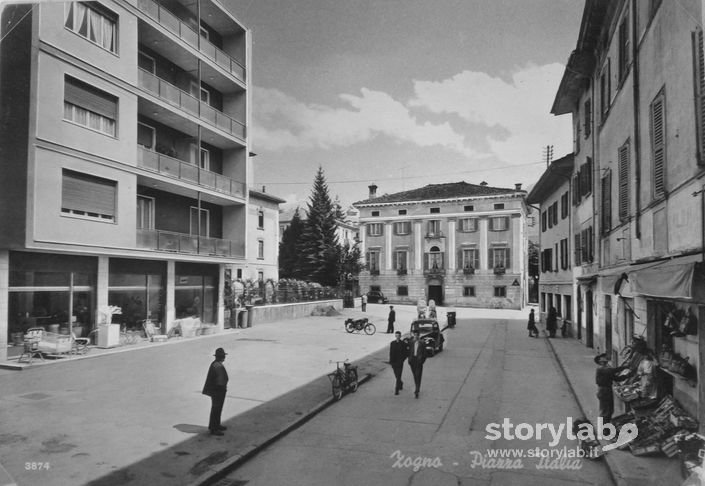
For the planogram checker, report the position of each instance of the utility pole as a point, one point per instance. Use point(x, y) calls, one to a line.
point(548, 154)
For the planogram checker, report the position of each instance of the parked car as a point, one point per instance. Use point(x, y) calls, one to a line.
point(376, 296)
point(431, 334)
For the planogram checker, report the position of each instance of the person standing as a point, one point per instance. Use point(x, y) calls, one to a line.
point(216, 387)
point(417, 356)
point(391, 319)
point(605, 375)
point(552, 322)
point(531, 326)
point(363, 302)
point(398, 351)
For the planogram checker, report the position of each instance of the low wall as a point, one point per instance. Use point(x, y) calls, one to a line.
point(296, 310)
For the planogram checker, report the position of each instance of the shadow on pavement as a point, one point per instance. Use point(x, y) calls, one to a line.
point(202, 458)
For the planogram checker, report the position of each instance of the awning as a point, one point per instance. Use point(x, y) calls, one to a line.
point(587, 279)
point(671, 279)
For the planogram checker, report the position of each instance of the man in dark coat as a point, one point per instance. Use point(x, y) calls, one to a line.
point(398, 351)
point(216, 387)
point(531, 326)
point(417, 356)
point(390, 320)
point(552, 322)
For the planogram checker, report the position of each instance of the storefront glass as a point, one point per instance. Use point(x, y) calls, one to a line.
point(196, 292)
point(45, 289)
point(137, 288)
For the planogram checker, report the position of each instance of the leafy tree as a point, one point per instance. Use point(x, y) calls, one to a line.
point(319, 246)
point(350, 259)
point(289, 248)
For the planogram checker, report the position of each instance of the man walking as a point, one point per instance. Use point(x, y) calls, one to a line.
point(390, 320)
point(417, 356)
point(215, 387)
point(363, 302)
point(398, 351)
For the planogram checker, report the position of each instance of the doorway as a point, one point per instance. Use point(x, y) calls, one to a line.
point(435, 292)
point(588, 319)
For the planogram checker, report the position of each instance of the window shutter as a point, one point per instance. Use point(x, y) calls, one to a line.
point(699, 54)
point(89, 194)
point(590, 244)
point(658, 144)
point(607, 203)
point(508, 258)
point(87, 97)
point(490, 259)
point(578, 250)
point(624, 182)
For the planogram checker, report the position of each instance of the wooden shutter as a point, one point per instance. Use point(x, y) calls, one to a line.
point(699, 88)
point(607, 202)
point(87, 97)
point(88, 194)
point(490, 259)
point(624, 182)
point(508, 258)
point(658, 144)
point(460, 263)
point(578, 251)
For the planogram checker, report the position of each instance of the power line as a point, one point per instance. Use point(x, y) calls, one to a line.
point(355, 181)
point(18, 22)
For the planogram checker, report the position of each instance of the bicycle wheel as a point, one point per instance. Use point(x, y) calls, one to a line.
point(352, 378)
point(349, 326)
point(337, 388)
point(370, 328)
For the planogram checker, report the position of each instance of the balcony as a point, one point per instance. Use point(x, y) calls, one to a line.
point(181, 99)
point(469, 271)
point(434, 271)
point(159, 240)
point(374, 271)
point(187, 34)
point(187, 172)
point(402, 271)
point(499, 270)
point(435, 234)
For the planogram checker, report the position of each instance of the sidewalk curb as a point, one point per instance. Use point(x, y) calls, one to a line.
point(224, 468)
point(611, 466)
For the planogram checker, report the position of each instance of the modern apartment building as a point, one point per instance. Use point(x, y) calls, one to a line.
point(456, 243)
point(125, 162)
point(635, 88)
point(552, 194)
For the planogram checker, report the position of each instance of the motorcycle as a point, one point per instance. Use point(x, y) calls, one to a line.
point(352, 325)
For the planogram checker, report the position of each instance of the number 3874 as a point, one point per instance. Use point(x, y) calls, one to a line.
point(36, 466)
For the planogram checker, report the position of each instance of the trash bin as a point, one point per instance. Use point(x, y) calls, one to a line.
point(249, 315)
point(451, 318)
point(242, 318)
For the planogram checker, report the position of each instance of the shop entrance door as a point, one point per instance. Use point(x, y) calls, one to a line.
point(588, 318)
point(579, 313)
point(435, 292)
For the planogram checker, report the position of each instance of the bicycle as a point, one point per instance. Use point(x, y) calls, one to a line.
point(343, 379)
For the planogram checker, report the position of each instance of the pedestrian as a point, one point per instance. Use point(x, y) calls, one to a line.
point(531, 326)
point(417, 356)
point(390, 320)
point(215, 387)
point(398, 351)
point(421, 308)
point(552, 322)
point(363, 301)
point(605, 375)
point(431, 309)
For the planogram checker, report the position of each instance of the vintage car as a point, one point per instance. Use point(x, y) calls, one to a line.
point(376, 296)
point(430, 334)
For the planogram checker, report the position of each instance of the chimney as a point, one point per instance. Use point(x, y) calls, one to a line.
point(483, 183)
point(517, 186)
point(373, 191)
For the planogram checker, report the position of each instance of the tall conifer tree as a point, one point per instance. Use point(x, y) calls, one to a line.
point(319, 249)
point(290, 248)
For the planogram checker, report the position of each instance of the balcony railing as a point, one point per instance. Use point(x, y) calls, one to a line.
point(374, 271)
point(500, 270)
point(401, 271)
point(160, 240)
point(181, 99)
point(185, 32)
point(435, 234)
point(184, 171)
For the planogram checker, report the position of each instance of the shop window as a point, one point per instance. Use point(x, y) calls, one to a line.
point(195, 293)
point(90, 107)
point(93, 22)
point(402, 290)
point(87, 196)
point(469, 291)
point(500, 291)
